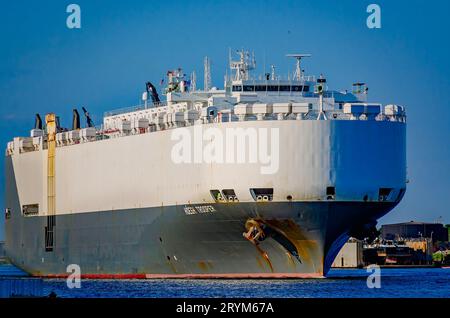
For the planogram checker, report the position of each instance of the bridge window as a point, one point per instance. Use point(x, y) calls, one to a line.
point(260, 88)
point(272, 88)
point(297, 88)
point(237, 88)
point(285, 88)
point(248, 88)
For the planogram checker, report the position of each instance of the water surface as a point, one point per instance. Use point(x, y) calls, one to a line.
point(395, 282)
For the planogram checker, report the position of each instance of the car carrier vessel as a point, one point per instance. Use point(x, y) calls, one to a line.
point(265, 178)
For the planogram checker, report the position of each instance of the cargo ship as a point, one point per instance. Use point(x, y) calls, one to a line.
point(264, 178)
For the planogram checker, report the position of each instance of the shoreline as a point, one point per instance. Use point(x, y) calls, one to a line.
point(392, 266)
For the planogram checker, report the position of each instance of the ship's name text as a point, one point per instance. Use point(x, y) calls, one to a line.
point(199, 209)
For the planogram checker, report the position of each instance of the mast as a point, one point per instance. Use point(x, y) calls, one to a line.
point(207, 74)
point(244, 65)
point(319, 89)
point(298, 71)
point(272, 76)
point(193, 86)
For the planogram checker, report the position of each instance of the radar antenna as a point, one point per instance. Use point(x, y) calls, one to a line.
point(298, 71)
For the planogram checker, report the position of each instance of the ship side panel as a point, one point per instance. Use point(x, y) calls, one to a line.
point(121, 203)
point(356, 157)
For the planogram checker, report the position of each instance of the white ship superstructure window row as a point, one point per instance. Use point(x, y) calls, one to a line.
point(270, 88)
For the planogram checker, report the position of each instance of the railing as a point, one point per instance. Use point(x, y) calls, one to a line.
point(221, 117)
point(130, 109)
point(278, 79)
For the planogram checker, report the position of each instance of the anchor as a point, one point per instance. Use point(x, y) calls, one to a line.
point(258, 230)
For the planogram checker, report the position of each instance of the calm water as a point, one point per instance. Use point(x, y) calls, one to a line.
point(414, 282)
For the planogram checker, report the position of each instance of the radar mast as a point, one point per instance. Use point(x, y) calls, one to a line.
point(245, 64)
point(298, 71)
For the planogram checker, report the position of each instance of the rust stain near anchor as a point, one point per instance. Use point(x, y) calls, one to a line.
point(285, 232)
point(290, 231)
point(265, 256)
point(255, 234)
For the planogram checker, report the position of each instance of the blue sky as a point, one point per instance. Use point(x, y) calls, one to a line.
point(44, 66)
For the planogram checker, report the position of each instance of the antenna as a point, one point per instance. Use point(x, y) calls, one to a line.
point(298, 70)
point(193, 86)
point(207, 75)
point(264, 61)
point(253, 63)
point(273, 72)
point(229, 57)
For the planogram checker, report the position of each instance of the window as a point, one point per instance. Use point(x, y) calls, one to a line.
point(30, 209)
point(237, 88)
point(272, 88)
point(262, 194)
point(297, 88)
point(285, 88)
point(260, 88)
point(248, 88)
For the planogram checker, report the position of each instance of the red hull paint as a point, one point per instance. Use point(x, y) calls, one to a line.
point(235, 276)
point(192, 276)
point(98, 276)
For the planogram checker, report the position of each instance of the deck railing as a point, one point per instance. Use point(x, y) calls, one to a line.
point(130, 109)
